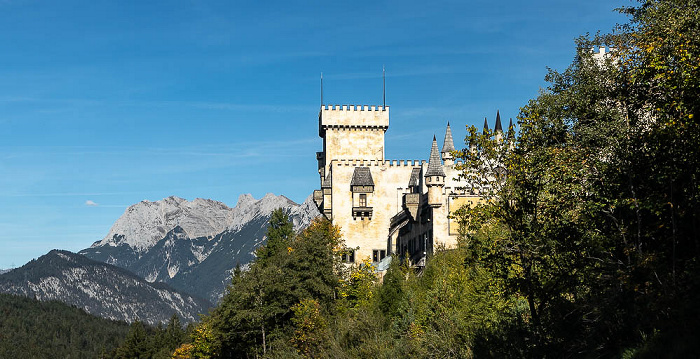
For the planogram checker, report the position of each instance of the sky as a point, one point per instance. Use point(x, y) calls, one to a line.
point(104, 104)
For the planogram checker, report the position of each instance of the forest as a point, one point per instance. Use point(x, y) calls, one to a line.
point(586, 245)
point(33, 329)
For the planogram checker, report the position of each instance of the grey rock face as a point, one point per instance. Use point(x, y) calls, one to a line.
point(193, 246)
point(100, 289)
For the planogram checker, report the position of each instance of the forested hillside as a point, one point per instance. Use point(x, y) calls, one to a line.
point(34, 329)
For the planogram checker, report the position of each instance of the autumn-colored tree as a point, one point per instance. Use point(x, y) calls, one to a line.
point(311, 336)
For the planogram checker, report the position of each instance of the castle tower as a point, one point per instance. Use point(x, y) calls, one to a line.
point(447, 147)
point(351, 133)
point(486, 126)
point(434, 177)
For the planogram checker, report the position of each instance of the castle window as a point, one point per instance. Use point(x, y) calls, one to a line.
point(348, 257)
point(378, 255)
point(363, 200)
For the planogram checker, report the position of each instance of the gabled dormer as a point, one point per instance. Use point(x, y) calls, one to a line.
point(362, 188)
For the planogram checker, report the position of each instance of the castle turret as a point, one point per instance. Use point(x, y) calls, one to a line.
point(435, 177)
point(498, 130)
point(447, 147)
point(510, 128)
point(486, 126)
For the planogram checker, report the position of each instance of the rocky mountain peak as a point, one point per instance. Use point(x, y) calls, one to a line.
point(245, 199)
point(193, 245)
point(143, 224)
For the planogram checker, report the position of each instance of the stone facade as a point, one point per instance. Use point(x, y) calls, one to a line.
point(385, 206)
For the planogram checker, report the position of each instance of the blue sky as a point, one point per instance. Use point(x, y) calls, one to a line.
point(107, 103)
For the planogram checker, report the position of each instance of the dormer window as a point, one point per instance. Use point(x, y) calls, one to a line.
point(362, 187)
point(362, 181)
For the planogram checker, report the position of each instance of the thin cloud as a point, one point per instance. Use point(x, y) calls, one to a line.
point(91, 203)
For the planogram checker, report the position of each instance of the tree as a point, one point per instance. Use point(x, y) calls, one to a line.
point(257, 310)
point(311, 334)
point(595, 223)
point(280, 231)
point(136, 344)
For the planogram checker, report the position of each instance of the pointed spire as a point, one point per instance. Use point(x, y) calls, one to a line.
point(510, 128)
point(486, 125)
point(448, 145)
point(434, 163)
point(498, 128)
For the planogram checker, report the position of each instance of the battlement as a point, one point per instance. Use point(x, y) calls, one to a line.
point(352, 116)
point(385, 163)
point(601, 53)
point(353, 108)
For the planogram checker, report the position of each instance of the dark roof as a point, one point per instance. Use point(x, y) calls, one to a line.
point(434, 163)
point(327, 182)
point(448, 145)
point(415, 178)
point(486, 125)
point(498, 122)
point(362, 177)
point(510, 127)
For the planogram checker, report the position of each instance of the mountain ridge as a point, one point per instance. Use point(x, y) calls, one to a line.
point(173, 240)
point(100, 289)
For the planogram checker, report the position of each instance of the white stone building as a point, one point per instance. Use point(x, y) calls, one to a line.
point(386, 206)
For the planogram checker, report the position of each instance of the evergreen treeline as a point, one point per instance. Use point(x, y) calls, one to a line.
point(34, 329)
point(151, 342)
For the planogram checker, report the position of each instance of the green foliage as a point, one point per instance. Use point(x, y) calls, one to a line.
point(311, 335)
point(358, 288)
point(595, 223)
point(279, 232)
point(392, 296)
point(257, 310)
point(34, 329)
point(204, 344)
point(147, 342)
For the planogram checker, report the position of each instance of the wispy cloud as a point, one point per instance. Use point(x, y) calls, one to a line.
point(91, 203)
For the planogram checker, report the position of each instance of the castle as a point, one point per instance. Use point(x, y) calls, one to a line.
point(386, 206)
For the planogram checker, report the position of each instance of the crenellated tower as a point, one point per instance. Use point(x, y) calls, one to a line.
point(351, 132)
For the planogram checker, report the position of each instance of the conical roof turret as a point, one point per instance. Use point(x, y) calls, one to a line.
point(510, 128)
point(486, 125)
point(434, 163)
point(498, 127)
point(448, 145)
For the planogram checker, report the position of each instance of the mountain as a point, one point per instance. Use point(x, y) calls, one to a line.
point(193, 246)
point(100, 289)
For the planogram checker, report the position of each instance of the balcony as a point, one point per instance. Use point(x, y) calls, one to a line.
point(362, 212)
